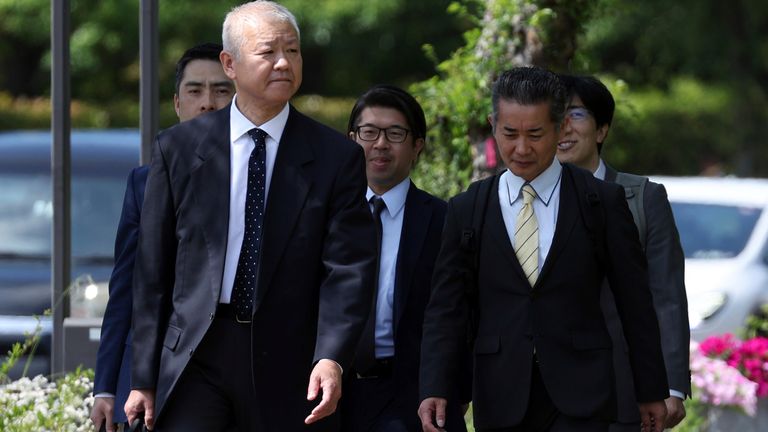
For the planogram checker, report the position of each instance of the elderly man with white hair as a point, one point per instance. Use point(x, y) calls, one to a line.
point(256, 258)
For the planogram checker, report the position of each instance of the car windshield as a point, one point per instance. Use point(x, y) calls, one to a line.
point(26, 214)
point(711, 231)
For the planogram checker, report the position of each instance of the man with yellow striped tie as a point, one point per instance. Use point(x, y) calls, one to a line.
point(533, 267)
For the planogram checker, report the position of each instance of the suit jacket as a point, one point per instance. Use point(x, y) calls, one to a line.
point(560, 315)
point(316, 269)
point(113, 365)
point(364, 400)
point(666, 266)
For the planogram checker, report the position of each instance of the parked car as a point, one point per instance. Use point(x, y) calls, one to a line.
point(723, 224)
point(101, 160)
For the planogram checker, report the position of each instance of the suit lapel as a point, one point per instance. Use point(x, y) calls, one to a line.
point(497, 230)
point(416, 219)
point(288, 191)
point(568, 215)
point(209, 180)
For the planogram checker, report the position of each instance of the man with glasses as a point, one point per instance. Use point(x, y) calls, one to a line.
point(590, 112)
point(381, 389)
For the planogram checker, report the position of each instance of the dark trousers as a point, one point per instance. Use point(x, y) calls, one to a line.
point(625, 427)
point(543, 416)
point(215, 391)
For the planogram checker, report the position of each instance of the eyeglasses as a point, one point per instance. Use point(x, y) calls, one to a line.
point(578, 114)
point(394, 134)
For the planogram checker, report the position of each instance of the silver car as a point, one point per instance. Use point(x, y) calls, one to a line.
point(723, 224)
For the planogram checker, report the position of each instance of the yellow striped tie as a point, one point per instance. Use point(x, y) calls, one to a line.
point(527, 236)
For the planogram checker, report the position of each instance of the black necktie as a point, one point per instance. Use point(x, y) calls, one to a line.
point(366, 356)
point(248, 263)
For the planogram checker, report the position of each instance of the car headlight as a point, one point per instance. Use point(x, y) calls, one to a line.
point(703, 306)
point(87, 299)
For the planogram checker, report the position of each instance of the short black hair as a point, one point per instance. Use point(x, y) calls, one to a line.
point(389, 96)
point(530, 85)
point(203, 51)
point(593, 94)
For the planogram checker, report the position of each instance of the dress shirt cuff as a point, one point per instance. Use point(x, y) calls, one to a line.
point(337, 364)
point(678, 394)
point(104, 395)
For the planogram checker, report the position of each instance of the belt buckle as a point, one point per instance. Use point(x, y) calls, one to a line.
point(239, 321)
point(365, 377)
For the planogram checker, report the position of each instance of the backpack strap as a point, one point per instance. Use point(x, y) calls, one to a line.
point(634, 191)
point(479, 193)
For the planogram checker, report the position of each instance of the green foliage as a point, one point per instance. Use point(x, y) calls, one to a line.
point(757, 324)
point(333, 112)
point(19, 350)
point(720, 45)
point(457, 100)
point(673, 131)
point(695, 417)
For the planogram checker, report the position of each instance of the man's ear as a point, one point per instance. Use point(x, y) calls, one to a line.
point(602, 132)
point(176, 104)
point(227, 62)
point(490, 122)
point(418, 145)
point(351, 135)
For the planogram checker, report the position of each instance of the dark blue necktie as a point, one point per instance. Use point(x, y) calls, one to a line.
point(248, 263)
point(366, 353)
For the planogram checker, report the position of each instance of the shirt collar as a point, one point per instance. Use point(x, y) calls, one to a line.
point(544, 184)
point(239, 125)
point(600, 171)
point(395, 197)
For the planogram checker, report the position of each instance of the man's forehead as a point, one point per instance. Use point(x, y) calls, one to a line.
point(199, 70)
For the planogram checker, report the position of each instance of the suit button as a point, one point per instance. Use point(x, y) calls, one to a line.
point(191, 351)
point(210, 316)
point(532, 294)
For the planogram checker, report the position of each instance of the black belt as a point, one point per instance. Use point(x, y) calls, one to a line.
point(227, 312)
point(381, 369)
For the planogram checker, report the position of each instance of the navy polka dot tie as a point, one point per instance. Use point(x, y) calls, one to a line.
point(248, 263)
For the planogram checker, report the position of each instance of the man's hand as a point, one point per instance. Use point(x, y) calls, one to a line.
point(431, 413)
point(326, 376)
point(675, 411)
point(653, 416)
point(141, 401)
point(102, 411)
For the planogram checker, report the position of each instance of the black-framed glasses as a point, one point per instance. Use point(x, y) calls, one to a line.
point(394, 134)
point(578, 114)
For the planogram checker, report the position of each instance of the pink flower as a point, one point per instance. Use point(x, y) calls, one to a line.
point(718, 384)
point(749, 357)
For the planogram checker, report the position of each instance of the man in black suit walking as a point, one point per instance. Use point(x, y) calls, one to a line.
point(551, 233)
point(381, 389)
point(590, 112)
point(256, 253)
point(201, 87)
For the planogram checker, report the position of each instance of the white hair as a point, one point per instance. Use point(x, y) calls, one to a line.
point(250, 14)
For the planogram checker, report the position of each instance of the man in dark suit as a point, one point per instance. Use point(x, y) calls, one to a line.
point(201, 86)
point(256, 253)
point(542, 353)
point(380, 392)
point(590, 112)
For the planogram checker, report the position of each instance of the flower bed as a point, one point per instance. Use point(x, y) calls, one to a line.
point(38, 404)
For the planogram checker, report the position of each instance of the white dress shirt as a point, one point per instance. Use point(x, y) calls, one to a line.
point(392, 227)
point(545, 206)
point(240, 147)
